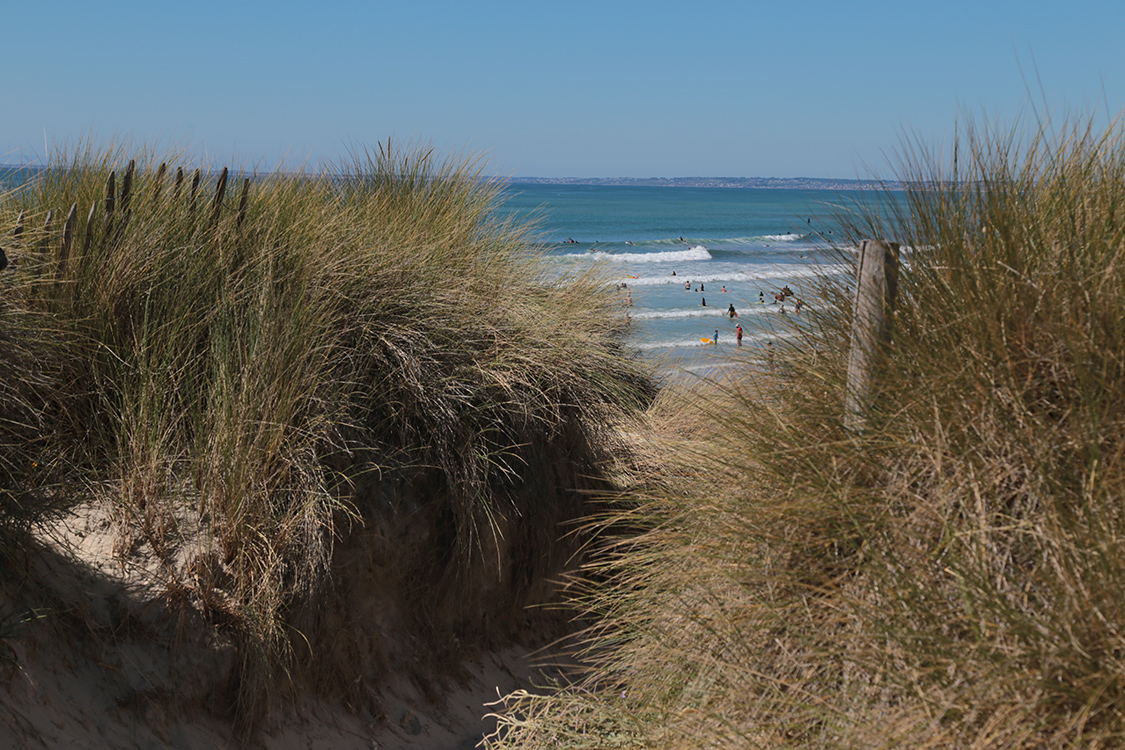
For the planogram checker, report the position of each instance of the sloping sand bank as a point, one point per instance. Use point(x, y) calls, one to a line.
point(94, 656)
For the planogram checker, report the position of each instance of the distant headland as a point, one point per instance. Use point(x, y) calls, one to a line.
point(20, 172)
point(780, 183)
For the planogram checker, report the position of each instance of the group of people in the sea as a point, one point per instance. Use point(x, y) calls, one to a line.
point(572, 241)
point(780, 297)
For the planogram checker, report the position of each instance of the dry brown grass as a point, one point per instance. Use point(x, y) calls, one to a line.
point(366, 350)
point(949, 577)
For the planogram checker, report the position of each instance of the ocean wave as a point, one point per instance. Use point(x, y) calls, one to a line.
point(697, 253)
point(695, 312)
point(764, 274)
point(672, 344)
point(704, 312)
point(755, 241)
point(785, 249)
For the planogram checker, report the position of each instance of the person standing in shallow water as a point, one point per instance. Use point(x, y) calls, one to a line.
point(738, 334)
point(716, 339)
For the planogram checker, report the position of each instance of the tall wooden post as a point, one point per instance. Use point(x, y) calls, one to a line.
point(220, 193)
point(178, 183)
point(68, 239)
point(127, 185)
point(46, 241)
point(158, 181)
point(110, 202)
point(876, 286)
point(88, 242)
point(195, 177)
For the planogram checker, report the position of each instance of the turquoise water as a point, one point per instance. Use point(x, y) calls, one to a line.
point(686, 255)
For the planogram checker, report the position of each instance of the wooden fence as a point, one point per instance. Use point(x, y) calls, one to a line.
point(116, 213)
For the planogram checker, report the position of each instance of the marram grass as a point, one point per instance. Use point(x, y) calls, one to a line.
point(244, 389)
point(953, 576)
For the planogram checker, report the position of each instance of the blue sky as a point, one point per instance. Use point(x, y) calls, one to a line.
point(580, 88)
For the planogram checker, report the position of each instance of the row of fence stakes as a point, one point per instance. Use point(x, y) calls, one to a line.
point(118, 211)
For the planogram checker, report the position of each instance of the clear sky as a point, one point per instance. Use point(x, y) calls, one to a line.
point(581, 88)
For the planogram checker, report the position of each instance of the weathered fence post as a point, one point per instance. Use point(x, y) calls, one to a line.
point(89, 240)
point(46, 240)
point(68, 238)
point(110, 202)
point(127, 185)
point(194, 187)
point(178, 183)
point(876, 286)
point(158, 181)
point(217, 203)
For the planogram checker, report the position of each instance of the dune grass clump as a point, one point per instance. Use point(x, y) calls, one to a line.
point(245, 381)
point(949, 576)
point(30, 488)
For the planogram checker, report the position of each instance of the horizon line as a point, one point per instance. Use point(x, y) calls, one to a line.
point(694, 181)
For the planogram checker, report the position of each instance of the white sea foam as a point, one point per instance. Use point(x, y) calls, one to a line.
point(697, 253)
point(676, 344)
point(753, 274)
point(670, 256)
point(703, 312)
point(697, 312)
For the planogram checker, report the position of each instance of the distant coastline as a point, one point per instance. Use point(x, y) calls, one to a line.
point(779, 183)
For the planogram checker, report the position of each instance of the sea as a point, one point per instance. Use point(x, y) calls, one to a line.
point(683, 257)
